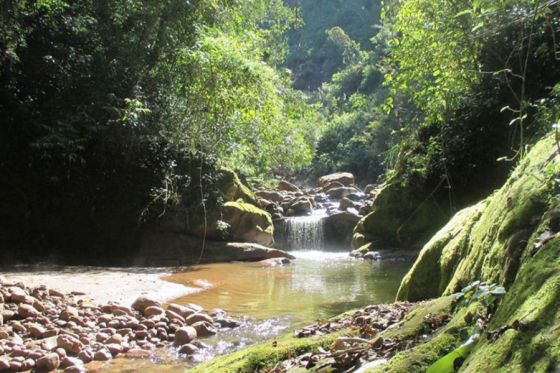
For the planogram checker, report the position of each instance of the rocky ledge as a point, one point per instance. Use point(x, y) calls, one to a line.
point(42, 329)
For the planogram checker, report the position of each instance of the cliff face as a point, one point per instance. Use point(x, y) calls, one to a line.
point(511, 238)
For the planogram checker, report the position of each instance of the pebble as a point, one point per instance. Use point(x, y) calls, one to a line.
point(103, 355)
point(198, 317)
point(48, 362)
point(42, 329)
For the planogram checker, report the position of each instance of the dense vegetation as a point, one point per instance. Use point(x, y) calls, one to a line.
point(112, 109)
point(447, 90)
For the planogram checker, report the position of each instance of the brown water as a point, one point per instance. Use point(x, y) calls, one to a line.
point(274, 300)
point(317, 285)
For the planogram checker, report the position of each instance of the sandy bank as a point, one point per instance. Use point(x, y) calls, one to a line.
point(102, 284)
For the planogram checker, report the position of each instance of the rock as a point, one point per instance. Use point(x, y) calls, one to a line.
point(287, 186)
point(264, 203)
point(271, 196)
point(273, 262)
point(36, 330)
point(75, 369)
point(184, 335)
point(370, 188)
point(345, 204)
point(228, 322)
point(345, 178)
point(4, 335)
point(27, 311)
point(102, 355)
point(69, 313)
point(4, 365)
point(204, 329)
point(340, 192)
point(48, 362)
point(56, 293)
point(195, 307)
point(248, 223)
point(141, 303)
point(138, 353)
point(372, 255)
point(17, 294)
point(180, 310)
point(198, 317)
point(188, 349)
point(153, 311)
point(301, 206)
point(338, 228)
point(232, 187)
point(122, 310)
point(70, 344)
point(174, 316)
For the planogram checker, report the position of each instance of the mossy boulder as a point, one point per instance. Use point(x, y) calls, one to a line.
point(512, 238)
point(488, 241)
point(248, 223)
point(401, 216)
point(232, 189)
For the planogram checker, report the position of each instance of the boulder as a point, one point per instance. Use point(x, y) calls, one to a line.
point(301, 206)
point(198, 317)
point(370, 189)
point(248, 223)
point(345, 204)
point(184, 335)
point(270, 195)
point(204, 329)
point(288, 187)
point(233, 188)
point(338, 229)
point(345, 178)
point(400, 217)
point(340, 192)
point(141, 303)
point(188, 349)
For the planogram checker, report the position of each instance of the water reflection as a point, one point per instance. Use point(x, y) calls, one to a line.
point(317, 285)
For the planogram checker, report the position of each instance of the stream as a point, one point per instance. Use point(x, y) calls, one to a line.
point(274, 300)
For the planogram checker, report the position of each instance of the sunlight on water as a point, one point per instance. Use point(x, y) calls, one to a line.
point(317, 285)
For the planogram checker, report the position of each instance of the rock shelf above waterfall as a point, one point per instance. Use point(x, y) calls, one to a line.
point(319, 217)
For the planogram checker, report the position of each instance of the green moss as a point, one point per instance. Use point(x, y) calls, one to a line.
point(398, 218)
point(430, 273)
point(494, 241)
point(445, 340)
point(265, 355)
point(485, 241)
point(248, 223)
point(233, 189)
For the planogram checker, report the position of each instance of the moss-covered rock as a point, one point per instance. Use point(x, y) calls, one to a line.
point(510, 239)
point(487, 241)
point(259, 357)
point(232, 189)
point(399, 218)
point(248, 223)
point(437, 261)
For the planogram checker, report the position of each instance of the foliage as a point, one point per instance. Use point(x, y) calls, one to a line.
point(312, 57)
point(114, 111)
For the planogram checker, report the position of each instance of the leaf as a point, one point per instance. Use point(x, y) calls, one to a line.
point(498, 291)
point(478, 26)
point(463, 13)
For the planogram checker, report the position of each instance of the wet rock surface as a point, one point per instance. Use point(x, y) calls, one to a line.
point(43, 329)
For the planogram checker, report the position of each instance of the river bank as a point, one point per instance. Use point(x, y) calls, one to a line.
point(102, 284)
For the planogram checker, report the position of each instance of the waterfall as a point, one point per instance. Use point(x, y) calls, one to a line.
point(305, 233)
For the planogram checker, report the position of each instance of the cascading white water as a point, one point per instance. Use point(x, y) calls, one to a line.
point(306, 232)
